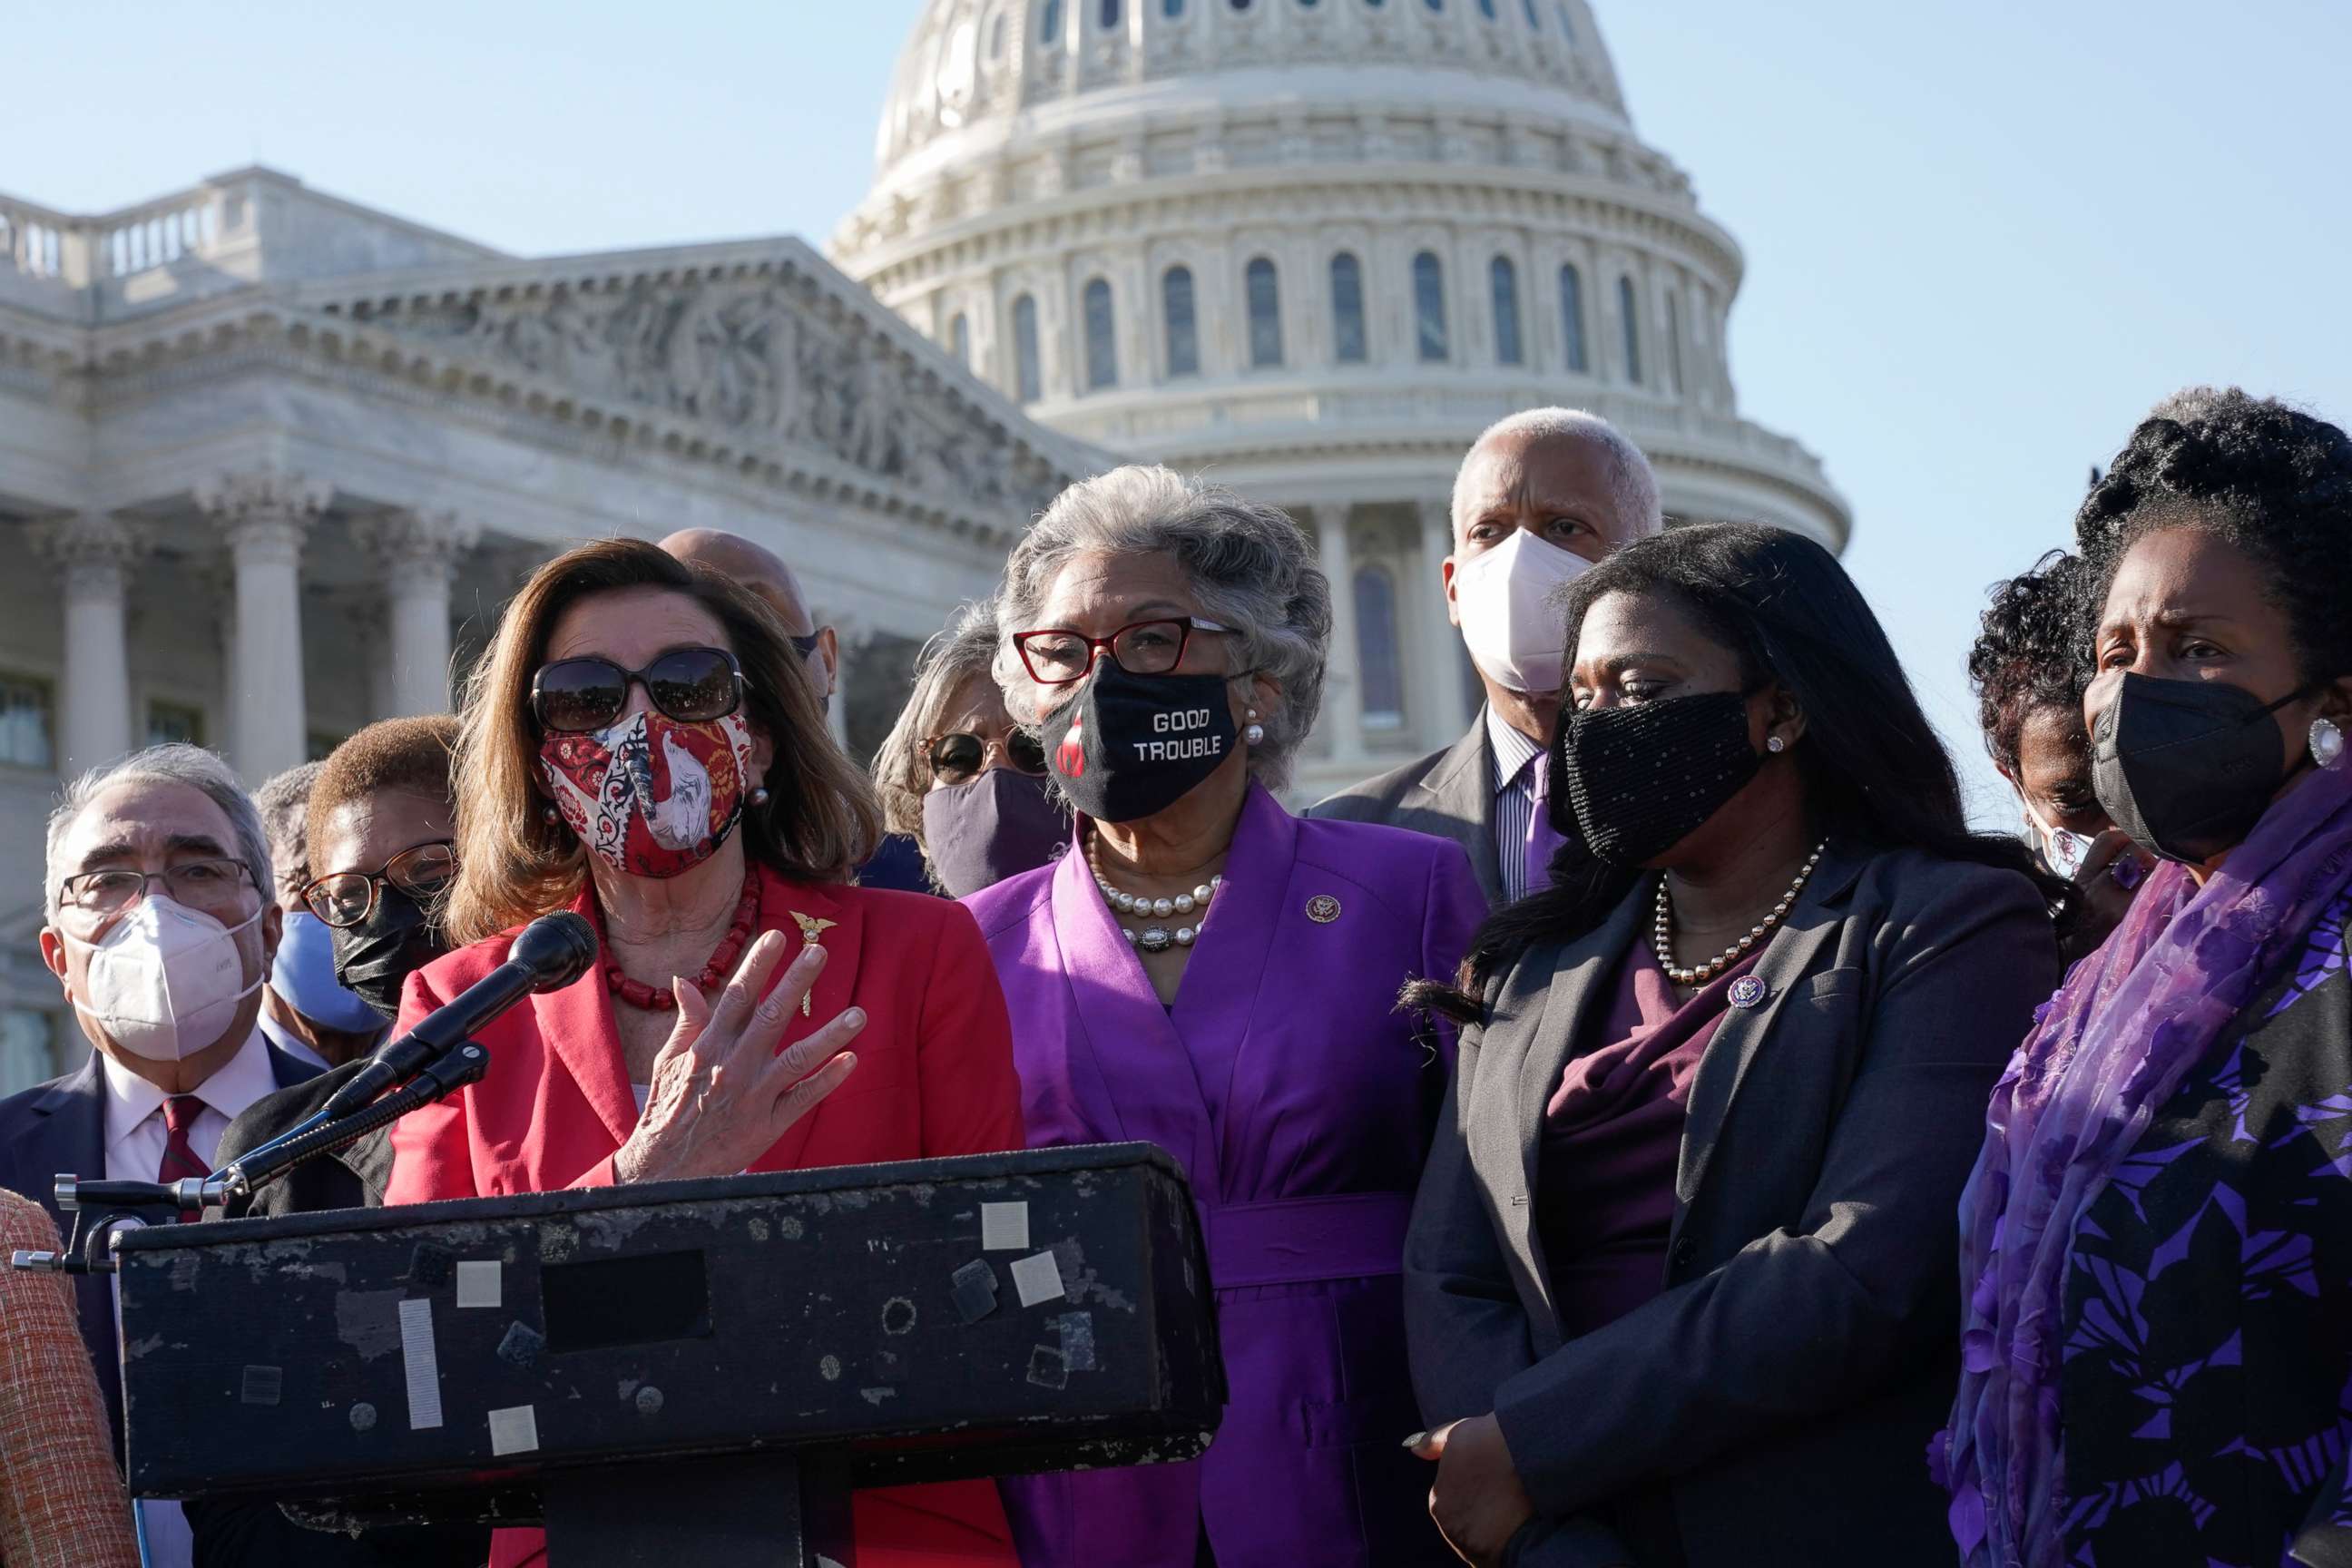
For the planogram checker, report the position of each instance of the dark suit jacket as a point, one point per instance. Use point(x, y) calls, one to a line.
point(349, 1178)
point(1774, 1402)
point(60, 1127)
point(1448, 794)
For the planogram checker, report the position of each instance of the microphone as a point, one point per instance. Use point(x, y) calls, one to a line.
point(548, 955)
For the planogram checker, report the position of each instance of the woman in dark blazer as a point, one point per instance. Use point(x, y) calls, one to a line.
point(1680, 1279)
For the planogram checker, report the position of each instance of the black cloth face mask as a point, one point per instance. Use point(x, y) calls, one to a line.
point(987, 829)
point(2186, 768)
point(374, 958)
point(1130, 746)
point(1634, 782)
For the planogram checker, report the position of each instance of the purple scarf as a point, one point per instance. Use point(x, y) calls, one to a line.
point(2106, 1053)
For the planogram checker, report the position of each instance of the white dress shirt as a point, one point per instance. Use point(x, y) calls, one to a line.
point(135, 1140)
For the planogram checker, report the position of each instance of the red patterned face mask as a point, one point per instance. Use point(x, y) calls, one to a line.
point(650, 796)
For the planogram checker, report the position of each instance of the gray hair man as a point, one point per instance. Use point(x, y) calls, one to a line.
point(161, 923)
point(1542, 495)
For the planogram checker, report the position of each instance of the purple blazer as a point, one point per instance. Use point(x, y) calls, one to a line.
point(1300, 1102)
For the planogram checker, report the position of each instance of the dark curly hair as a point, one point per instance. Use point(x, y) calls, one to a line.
point(2033, 651)
point(2271, 479)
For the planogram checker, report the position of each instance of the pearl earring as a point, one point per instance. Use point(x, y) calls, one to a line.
point(1253, 732)
point(549, 815)
point(759, 798)
point(1776, 745)
point(2327, 743)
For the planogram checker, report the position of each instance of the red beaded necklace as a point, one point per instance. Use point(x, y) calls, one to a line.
point(646, 999)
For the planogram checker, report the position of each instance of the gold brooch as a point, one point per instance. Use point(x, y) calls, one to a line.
point(813, 931)
point(1322, 909)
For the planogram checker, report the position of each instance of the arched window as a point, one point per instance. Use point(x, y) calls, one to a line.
point(1571, 318)
point(1265, 313)
point(1102, 344)
point(960, 340)
point(1503, 281)
point(1171, 9)
point(1108, 13)
point(1346, 309)
point(1176, 308)
point(1429, 308)
point(1434, 5)
point(1632, 321)
point(1049, 23)
point(1379, 664)
point(1028, 367)
point(1675, 343)
point(1241, 5)
point(1486, 9)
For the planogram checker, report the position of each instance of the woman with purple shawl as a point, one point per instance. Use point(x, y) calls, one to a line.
point(2156, 1239)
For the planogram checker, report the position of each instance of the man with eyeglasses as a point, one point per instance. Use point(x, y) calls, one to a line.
point(161, 929)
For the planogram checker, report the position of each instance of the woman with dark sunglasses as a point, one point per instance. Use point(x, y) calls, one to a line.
point(1205, 969)
point(959, 777)
point(638, 746)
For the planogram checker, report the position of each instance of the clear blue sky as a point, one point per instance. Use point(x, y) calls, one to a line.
point(1981, 239)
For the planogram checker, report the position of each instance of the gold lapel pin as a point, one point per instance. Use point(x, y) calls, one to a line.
point(813, 931)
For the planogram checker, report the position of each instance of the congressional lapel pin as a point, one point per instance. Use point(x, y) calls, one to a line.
point(813, 931)
point(1747, 990)
point(1322, 909)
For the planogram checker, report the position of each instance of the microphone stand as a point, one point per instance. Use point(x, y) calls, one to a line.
point(320, 1136)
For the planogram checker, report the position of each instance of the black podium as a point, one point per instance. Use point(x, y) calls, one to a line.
point(682, 1373)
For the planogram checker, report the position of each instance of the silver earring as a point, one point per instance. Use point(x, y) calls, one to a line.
point(548, 814)
point(2327, 743)
point(1252, 733)
point(760, 797)
point(1776, 745)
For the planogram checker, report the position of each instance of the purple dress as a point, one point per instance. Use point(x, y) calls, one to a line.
point(1300, 1104)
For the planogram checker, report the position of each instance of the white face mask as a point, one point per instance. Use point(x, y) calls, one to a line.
point(1504, 595)
point(2062, 850)
point(167, 981)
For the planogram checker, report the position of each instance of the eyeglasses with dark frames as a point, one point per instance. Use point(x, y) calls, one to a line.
point(208, 884)
point(1057, 657)
point(346, 899)
point(960, 755)
point(692, 685)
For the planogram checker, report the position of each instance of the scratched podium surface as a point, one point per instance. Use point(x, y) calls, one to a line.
point(917, 1321)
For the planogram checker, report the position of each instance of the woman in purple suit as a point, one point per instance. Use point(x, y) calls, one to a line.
point(1212, 973)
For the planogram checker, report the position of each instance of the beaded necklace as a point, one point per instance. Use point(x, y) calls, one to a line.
point(650, 999)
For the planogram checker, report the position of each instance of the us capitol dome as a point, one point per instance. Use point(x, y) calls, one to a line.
point(1311, 248)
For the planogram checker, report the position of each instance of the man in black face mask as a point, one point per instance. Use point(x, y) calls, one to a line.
point(381, 851)
point(381, 817)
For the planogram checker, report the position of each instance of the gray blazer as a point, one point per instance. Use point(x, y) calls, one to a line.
point(1772, 1405)
point(1448, 794)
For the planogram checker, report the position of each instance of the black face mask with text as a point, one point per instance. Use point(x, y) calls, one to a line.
point(1130, 746)
point(374, 959)
point(1634, 782)
point(2186, 768)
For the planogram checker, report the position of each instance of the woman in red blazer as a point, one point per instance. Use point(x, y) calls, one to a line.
point(640, 745)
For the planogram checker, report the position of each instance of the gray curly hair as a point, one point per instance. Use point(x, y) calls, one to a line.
point(1250, 570)
point(192, 766)
point(902, 774)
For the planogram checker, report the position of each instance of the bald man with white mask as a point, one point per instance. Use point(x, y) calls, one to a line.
point(161, 929)
point(1540, 496)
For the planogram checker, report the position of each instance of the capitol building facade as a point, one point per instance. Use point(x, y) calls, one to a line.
point(270, 460)
point(1310, 249)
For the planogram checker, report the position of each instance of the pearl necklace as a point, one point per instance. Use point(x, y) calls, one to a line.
point(1155, 937)
point(1662, 928)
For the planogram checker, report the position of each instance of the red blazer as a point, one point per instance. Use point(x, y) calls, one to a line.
point(934, 1077)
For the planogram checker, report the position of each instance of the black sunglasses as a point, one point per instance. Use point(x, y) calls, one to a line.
point(692, 685)
point(962, 755)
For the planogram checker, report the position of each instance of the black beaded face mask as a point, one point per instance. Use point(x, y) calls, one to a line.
point(1634, 782)
point(374, 958)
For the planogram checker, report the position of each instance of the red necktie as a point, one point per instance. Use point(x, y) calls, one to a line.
point(179, 1161)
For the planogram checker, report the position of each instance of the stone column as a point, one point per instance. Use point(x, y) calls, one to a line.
point(93, 551)
point(417, 554)
point(263, 514)
point(1439, 655)
point(1343, 685)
